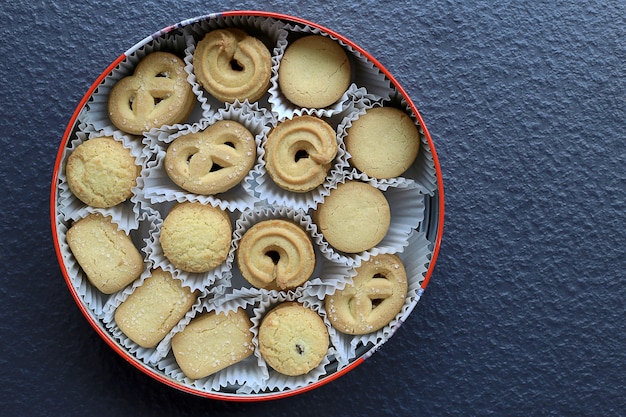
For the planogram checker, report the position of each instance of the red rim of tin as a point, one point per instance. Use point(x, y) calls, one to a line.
point(438, 202)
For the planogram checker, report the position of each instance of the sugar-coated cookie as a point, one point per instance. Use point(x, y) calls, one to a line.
point(355, 217)
point(154, 308)
point(213, 160)
point(375, 297)
point(196, 237)
point(157, 94)
point(107, 255)
point(101, 172)
point(314, 72)
point(276, 254)
point(299, 152)
point(232, 65)
point(383, 142)
point(212, 342)
point(293, 339)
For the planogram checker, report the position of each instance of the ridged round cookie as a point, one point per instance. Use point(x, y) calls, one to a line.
point(293, 339)
point(383, 142)
point(314, 72)
point(213, 160)
point(276, 254)
point(299, 152)
point(231, 65)
point(375, 297)
point(154, 308)
point(157, 94)
point(355, 217)
point(196, 237)
point(101, 172)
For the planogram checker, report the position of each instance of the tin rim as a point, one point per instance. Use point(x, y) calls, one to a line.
point(434, 213)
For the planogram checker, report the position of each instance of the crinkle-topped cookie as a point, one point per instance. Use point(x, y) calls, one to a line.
point(157, 94)
point(101, 172)
point(376, 295)
point(314, 72)
point(196, 237)
point(293, 339)
point(232, 65)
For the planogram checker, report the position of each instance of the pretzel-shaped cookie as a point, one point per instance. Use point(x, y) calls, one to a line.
point(299, 153)
point(276, 254)
point(156, 94)
point(373, 300)
point(231, 65)
point(211, 161)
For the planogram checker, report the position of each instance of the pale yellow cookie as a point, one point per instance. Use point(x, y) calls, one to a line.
point(375, 297)
point(299, 152)
point(107, 255)
point(213, 160)
point(276, 254)
point(157, 94)
point(355, 217)
point(383, 142)
point(314, 72)
point(154, 308)
point(101, 172)
point(212, 342)
point(231, 65)
point(196, 237)
point(293, 339)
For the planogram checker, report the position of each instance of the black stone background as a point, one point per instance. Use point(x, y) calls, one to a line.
point(524, 314)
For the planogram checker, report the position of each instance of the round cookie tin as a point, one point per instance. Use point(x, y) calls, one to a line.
point(416, 200)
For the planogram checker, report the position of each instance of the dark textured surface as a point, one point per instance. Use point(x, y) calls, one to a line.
point(524, 315)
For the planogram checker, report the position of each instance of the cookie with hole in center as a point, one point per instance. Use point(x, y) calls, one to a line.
point(375, 297)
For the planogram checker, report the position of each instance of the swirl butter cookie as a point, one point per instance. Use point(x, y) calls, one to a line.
point(355, 217)
point(231, 65)
point(314, 72)
point(213, 160)
point(375, 297)
point(299, 152)
point(196, 237)
point(293, 339)
point(156, 94)
point(383, 142)
point(101, 172)
point(154, 308)
point(276, 254)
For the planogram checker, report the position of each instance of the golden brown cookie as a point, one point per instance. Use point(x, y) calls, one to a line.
point(373, 300)
point(299, 152)
point(101, 172)
point(276, 254)
point(293, 339)
point(383, 142)
point(314, 72)
point(107, 255)
point(211, 342)
point(213, 160)
point(231, 65)
point(355, 217)
point(196, 237)
point(154, 308)
point(157, 94)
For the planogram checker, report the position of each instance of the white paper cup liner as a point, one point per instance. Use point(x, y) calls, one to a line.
point(406, 203)
point(157, 185)
point(97, 113)
point(266, 189)
point(125, 214)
